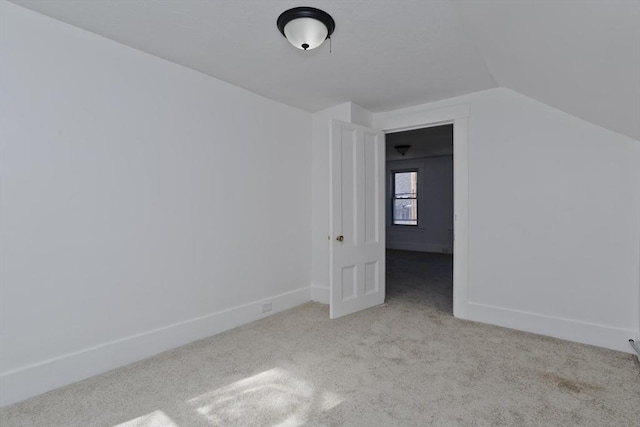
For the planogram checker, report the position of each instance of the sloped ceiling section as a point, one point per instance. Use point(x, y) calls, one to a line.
point(582, 57)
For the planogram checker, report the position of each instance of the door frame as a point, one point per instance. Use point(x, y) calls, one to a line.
point(399, 121)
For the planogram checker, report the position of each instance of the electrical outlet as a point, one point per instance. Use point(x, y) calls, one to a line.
point(266, 307)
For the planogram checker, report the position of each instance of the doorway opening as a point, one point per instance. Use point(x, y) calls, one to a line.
point(359, 207)
point(419, 212)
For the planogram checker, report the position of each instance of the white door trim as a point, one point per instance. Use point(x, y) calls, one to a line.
point(458, 116)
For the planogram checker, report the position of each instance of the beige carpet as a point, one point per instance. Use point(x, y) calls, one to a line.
point(407, 363)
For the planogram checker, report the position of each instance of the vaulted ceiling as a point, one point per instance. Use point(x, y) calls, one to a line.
point(582, 57)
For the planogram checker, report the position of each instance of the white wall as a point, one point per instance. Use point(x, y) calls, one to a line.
point(554, 203)
point(434, 232)
point(144, 205)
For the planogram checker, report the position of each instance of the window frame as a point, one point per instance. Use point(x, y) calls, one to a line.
point(393, 197)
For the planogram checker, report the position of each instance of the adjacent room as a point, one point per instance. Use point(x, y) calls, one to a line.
point(399, 212)
point(419, 218)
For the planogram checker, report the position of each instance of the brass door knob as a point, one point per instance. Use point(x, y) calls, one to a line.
point(340, 238)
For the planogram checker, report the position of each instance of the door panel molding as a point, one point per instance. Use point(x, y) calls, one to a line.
point(357, 238)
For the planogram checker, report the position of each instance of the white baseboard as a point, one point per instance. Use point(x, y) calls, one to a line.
point(29, 381)
point(419, 247)
point(320, 294)
point(570, 330)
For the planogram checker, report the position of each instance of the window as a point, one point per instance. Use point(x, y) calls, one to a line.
point(405, 198)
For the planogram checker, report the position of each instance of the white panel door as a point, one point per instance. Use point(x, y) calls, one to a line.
point(357, 219)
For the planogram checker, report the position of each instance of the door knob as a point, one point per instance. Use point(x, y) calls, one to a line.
point(340, 238)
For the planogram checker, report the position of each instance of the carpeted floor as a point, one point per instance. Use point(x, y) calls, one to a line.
point(406, 363)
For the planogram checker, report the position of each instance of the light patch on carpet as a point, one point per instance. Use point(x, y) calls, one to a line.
point(153, 419)
point(277, 396)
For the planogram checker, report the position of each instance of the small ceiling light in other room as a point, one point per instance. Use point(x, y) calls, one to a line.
point(306, 27)
point(402, 149)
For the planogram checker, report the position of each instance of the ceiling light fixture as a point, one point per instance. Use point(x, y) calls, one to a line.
point(306, 27)
point(402, 149)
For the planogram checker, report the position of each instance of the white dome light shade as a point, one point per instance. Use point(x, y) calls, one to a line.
point(306, 27)
point(305, 33)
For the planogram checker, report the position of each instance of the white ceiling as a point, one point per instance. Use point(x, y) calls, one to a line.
point(582, 57)
point(386, 54)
